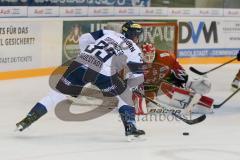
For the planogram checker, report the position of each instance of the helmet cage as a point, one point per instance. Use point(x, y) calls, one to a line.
point(148, 57)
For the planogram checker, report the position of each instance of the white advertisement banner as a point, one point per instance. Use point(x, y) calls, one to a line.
point(208, 38)
point(49, 11)
point(181, 12)
point(19, 45)
point(209, 12)
point(153, 11)
point(100, 11)
point(126, 11)
point(232, 12)
point(13, 11)
point(29, 44)
point(73, 11)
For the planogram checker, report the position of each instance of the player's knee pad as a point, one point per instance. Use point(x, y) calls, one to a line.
point(110, 86)
point(65, 87)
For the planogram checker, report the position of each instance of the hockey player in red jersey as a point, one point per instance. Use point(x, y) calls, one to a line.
point(167, 81)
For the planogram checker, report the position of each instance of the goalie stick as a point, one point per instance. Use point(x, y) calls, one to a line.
point(224, 101)
point(194, 70)
point(188, 121)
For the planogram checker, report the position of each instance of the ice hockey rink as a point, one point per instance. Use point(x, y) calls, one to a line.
point(216, 138)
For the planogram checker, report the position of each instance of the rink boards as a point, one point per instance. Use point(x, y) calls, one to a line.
point(36, 46)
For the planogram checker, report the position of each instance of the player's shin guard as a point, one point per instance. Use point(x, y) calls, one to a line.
point(36, 112)
point(127, 114)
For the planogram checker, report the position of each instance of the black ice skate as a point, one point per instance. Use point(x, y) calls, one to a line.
point(132, 132)
point(36, 112)
point(27, 121)
point(127, 114)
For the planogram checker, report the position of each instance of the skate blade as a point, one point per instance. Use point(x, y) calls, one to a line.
point(132, 138)
point(18, 128)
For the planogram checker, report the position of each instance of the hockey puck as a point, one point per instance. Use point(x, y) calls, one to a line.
point(185, 133)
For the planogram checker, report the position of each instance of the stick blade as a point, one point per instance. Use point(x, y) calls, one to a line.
point(229, 97)
point(191, 121)
point(196, 71)
point(215, 106)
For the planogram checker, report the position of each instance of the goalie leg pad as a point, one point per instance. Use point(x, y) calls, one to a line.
point(140, 104)
point(206, 102)
point(174, 96)
point(180, 98)
point(204, 105)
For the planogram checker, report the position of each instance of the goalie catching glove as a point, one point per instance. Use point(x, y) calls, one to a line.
point(200, 85)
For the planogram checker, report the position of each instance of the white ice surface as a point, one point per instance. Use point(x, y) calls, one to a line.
point(217, 138)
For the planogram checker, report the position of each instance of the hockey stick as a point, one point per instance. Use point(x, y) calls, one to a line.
point(229, 97)
point(194, 70)
point(190, 122)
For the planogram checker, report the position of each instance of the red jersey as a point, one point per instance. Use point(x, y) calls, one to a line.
point(163, 65)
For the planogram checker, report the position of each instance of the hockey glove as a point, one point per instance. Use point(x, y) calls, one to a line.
point(178, 78)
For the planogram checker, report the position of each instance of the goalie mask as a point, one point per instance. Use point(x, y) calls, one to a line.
point(148, 53)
